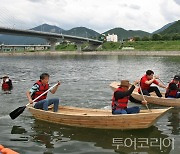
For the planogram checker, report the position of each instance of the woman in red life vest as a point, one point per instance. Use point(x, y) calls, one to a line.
point(121, 97)
point(146, 82)
point(40, 87)
point(6, 83)
point(173, 88)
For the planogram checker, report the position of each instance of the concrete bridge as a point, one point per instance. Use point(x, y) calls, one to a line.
point(52, 38)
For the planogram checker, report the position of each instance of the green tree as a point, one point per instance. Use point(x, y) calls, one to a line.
point(176, 36)
point(156, 37)
point(102, 38)
point(166, 37)
point(136, 38)
point(145, 38)
point(111, 46)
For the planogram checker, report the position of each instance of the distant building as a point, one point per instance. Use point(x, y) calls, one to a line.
point(112, 38)
point(131, 40)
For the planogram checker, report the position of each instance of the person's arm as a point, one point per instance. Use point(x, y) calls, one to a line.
point(132, 99)
point(150, 81)
point(10, 84)
point(28, 94)
point(55, 88)
point(173, 86)
point(161, 85)
point(31, 91)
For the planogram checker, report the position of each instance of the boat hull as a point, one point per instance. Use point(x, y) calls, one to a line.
point(153, 99)
point(98, 118)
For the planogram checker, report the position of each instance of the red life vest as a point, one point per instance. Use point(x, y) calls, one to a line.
point(145, 86)
point(171, 93)
point(120, 103)
point(5, 86)
point(42, 89)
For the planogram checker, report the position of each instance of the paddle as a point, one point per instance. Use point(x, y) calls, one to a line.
point(14, 114)
point(162, 82)
point(144, 98)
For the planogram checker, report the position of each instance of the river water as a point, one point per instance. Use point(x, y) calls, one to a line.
point(85, 82)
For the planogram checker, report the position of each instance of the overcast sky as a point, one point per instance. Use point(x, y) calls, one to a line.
point(99, 15)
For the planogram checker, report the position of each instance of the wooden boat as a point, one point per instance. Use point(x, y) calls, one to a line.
point(98, 118)
point(153, 99)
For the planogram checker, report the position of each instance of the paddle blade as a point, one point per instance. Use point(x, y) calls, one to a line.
point(14, 114)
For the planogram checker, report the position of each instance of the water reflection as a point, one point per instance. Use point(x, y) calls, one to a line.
point(18, 130)
point(51, 134)
point(174, 119)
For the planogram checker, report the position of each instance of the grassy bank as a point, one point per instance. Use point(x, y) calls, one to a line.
point(117, 47)
point(154, 45)
point(66, 47)
point(137, 45)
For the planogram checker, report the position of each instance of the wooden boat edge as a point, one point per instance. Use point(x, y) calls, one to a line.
point(142, 112)
point(143, 120)
point(151, 99)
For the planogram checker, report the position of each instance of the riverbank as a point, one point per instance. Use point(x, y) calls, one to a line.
point(134, 53)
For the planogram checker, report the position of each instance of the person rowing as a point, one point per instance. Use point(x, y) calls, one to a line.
point(146, 82)
point(121, 97)
point(173, 90)
point(39, 88)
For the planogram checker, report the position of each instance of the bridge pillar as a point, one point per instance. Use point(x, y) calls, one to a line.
point(13, 48)
point(96, 47)
point(91, 47)
point(79, 48)
point(1, 47)
point(52, 42)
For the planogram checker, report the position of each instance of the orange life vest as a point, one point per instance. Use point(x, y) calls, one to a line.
point(7, 150)
point(120, 103)
point(42, 88)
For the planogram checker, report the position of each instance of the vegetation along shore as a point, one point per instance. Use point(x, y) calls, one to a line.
point(134, 47)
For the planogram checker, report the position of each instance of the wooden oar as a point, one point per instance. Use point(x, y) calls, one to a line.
point(144, 98)
point(14, 114)
point(162, 82)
